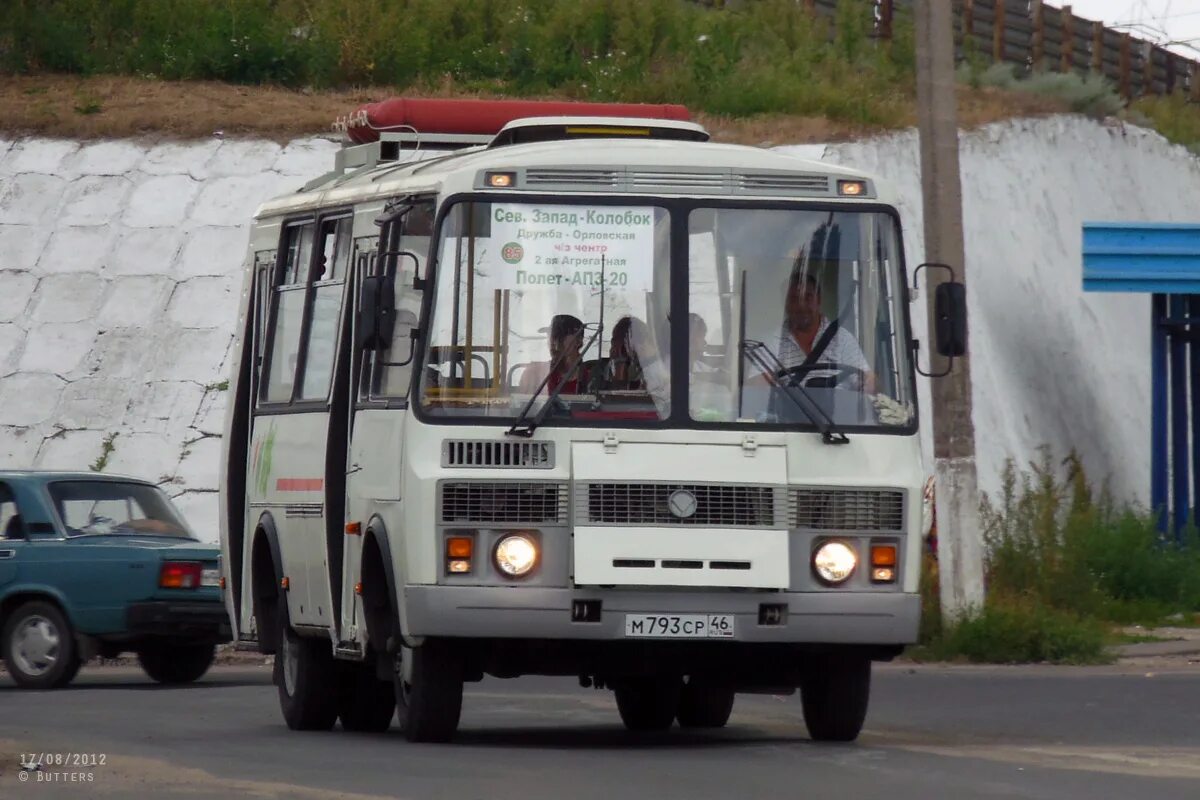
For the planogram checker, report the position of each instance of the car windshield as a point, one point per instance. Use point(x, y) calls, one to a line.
point(110, 507)
point(541, 300)
point(796, 302)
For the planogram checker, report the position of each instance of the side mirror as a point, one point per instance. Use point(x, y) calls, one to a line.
point(950, 309)
point(376, 321)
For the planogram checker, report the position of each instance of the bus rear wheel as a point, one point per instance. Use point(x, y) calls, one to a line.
point(648, 704)
point(835, 692)
point(429, 688)
point(704, 706)
point(365, 703)
point(304, 672)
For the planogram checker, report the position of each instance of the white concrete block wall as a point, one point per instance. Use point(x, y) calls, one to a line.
point(120, 268)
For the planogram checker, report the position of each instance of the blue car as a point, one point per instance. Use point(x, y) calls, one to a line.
point(92, 565)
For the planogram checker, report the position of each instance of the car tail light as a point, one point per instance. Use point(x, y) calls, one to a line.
point(180, 575)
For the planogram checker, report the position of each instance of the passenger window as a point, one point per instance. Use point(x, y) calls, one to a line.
point(11, 525)
point(328, 277)
point(314, 258)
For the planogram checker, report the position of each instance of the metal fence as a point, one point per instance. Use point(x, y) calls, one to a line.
point(1041, 37)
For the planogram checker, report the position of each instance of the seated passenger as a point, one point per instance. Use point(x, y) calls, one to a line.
point(655, 372)
point(565, 342)
point(622, 371)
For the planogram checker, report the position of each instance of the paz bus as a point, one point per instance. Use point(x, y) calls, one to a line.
point(568, 389)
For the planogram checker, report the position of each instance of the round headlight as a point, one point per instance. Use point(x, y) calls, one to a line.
point(834, 562)
point(516, 555)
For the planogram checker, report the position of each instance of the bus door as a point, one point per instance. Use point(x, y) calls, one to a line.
point(379, 387)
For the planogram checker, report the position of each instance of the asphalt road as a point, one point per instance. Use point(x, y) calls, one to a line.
point(933, 732)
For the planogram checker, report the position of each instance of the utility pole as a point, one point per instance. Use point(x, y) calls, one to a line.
point(960, 546)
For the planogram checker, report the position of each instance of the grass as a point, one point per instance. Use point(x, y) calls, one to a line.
point(770, 56)
point(1065, 565)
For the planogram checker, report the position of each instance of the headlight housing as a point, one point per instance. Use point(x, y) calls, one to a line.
point(516, 555)
point(834, 562)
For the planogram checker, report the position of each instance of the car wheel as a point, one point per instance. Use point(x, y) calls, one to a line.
point(704, 706)
point(174, 664)
point(429, 688)
point(834, 693)
point(365, 703)
point(304, 673)
point(39, 646)
point(648, 704)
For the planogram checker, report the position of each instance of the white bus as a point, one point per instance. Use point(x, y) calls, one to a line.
point(592, 396)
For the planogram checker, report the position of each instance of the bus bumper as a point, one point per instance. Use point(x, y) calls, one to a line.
point(873, 618)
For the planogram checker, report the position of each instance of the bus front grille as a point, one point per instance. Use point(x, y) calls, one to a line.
point(515, 501)
point(699, 505)
point(493, 454)
point(848, 509)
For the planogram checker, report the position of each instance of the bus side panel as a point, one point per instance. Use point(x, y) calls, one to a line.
point(288, 467)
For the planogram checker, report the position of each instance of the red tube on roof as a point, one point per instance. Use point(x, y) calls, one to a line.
point(482, 117)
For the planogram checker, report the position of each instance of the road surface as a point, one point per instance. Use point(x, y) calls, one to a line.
point(932, 732)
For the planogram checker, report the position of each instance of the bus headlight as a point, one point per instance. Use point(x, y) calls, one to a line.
point(516, 555)
point(834, 562)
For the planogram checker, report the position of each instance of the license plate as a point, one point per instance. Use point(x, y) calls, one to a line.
point(679, 626)
point(210, 577)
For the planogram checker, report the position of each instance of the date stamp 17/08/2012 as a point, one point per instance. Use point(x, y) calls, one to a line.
point(60, 767)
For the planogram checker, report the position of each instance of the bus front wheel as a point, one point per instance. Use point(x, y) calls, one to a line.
point(648, 704)
point(835, 692)
point(704, 706)
point(429, 688)
point(365, 703)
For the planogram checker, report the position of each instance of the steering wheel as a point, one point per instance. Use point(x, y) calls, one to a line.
point(842, 372)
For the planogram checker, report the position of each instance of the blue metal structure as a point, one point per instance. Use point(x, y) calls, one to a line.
point(1164, 261)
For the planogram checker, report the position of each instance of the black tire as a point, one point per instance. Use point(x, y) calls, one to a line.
point(835, 693)
point(429, 704)
point(39, 646)
point(648, 704)
point(305, 674)
point(176, 664)
point(704, 706)
point(365, 703)
point(71, 672)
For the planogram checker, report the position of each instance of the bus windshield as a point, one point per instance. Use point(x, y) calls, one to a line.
point(795, 317)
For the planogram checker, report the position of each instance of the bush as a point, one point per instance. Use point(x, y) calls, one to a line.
point(1175, 117)
point(1062, 564)
point(1018, 631)
point(1084, 94)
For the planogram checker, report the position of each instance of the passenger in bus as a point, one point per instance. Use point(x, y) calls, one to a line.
point(565, 341)
point(622, 371)
point(806, 329)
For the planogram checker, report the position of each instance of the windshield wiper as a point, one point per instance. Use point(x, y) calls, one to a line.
point(766, 360)
point(526, 425)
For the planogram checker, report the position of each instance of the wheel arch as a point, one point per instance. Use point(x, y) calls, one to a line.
point(377, 573)
point(266, 567)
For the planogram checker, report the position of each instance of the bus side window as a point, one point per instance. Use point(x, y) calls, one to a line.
point(391, 379)
point(288, 316)
point(328, 278)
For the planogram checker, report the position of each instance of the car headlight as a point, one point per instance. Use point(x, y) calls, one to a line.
point(834, 562)
point(516, 555)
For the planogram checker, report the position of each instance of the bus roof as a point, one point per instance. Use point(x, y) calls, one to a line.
point(620, 166)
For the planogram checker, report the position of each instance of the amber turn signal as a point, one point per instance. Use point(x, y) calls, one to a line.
point(883, 555)
point(459, 546)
